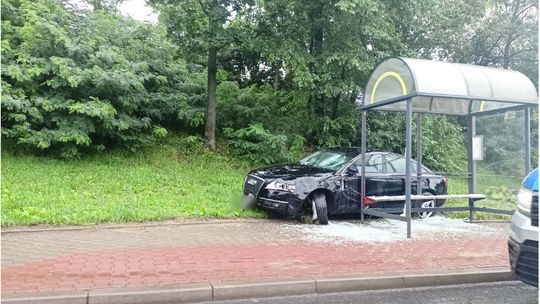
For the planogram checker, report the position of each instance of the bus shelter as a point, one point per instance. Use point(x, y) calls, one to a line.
point(425, 86)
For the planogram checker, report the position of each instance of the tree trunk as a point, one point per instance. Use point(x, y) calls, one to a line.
point(318, 49)
point(510, 38)
point(318, 40)
point(210, 131)
point(310, 67)
point(319, 105)
point(276, 76)
point(335, 106)
point(310, 105)
point(337, 98)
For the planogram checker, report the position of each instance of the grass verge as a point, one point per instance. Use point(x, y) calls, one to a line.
point(167, 181)
point(501, 193)
point(155, 184)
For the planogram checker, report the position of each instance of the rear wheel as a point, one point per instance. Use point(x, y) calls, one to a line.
point(425, 204)
point(320, 210)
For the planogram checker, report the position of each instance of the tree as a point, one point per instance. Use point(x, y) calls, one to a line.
point(495, 33)
point(325, 49)
point(202, 26)
point(77, 80)
point(508, 37)
point(499, 34)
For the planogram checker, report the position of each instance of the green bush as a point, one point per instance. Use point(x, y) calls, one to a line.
point(80, 81)
point(258, 145)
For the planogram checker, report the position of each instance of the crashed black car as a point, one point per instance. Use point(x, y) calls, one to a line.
point(328, 182)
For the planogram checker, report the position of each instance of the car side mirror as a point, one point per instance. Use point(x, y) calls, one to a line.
point(353, 169)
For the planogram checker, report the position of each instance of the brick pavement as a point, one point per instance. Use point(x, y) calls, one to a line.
point(18, 248)
point(156, 256)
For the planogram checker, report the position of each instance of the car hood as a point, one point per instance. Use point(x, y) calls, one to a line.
point(290, 171)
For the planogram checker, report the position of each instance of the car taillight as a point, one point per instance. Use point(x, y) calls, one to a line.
point(446, 181)
point(368, 201)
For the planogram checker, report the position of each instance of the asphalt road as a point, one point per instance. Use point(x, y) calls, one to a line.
point(486, 293)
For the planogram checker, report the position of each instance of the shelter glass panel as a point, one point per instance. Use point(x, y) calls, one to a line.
point(391, 79)
point(446, 88)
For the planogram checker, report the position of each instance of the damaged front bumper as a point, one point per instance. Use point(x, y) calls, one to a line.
point(282, 202)
point(256, 193)
point(289, 207)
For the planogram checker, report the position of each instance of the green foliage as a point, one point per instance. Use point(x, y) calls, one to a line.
point(442, 144)
point(79, 81)
point(500, 33)
point(502, 193)
point(76, 81)
point(386, 132)
point(322, 48)
point(503, 140)
point(191, 110)
point(238, 108)
point(192, 143)
point(159, 132)
point(259, 146)
point(497, 197)
point(340, 132)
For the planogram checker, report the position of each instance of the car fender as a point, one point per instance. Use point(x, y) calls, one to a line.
point(305, 186)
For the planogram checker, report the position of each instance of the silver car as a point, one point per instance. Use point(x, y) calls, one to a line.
point(523, 242)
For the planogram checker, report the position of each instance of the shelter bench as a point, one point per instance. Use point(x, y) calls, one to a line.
point(385, 212)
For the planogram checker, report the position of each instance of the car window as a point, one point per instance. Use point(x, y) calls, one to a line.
point(329, 159)
point(396, 164)
point(373, 164)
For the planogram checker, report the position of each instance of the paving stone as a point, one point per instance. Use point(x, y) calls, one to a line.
point(225, 252)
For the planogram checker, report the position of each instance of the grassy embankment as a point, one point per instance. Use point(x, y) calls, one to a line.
point(500, 193)
point(159, 183)
point(164, 182)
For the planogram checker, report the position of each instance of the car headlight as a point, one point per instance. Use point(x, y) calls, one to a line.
point(524, 201)
point(281, 186)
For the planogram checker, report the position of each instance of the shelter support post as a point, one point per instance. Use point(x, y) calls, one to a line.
point(471, 175)
point(527, 119)
point(408, 152)
point(419, 154)
point(363, 181)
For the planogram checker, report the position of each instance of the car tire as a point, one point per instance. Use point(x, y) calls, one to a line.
point(319, 205)
point(440, 202)
point(425, 204)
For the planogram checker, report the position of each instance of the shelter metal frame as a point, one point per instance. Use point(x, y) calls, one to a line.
point(509, 104)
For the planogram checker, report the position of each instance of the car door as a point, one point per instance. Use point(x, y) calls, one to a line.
point(348, 199)
point(395, 169)
point(375, 175)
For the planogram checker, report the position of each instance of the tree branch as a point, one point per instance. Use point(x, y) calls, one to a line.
point(203, 9)
point(525, 59)
point(520, 51)
point(525, 9)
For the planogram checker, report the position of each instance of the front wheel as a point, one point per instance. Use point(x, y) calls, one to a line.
point(320, 210)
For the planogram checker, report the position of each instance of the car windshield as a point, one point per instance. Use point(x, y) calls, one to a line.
point(329, 159)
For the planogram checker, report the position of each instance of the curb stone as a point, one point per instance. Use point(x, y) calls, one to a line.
point(124, 226)
point(190, 293)
point(165, 224)
point(74, 297)
point(206, 292)
point(263, 288)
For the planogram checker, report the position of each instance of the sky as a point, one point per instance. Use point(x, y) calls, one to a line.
point(138, 10)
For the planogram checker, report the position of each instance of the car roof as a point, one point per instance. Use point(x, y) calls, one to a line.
point(357, 149)
point(344, 149)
